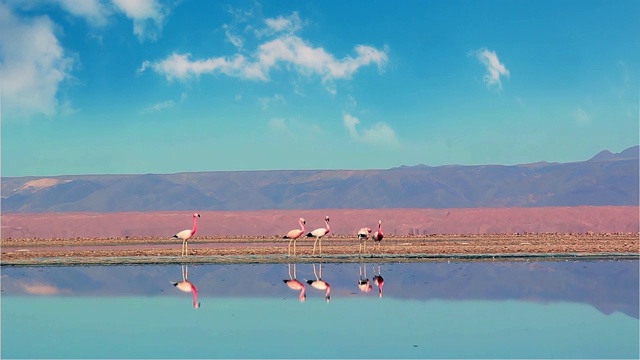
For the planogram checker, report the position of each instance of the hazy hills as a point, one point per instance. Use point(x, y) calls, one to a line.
point(606, 179)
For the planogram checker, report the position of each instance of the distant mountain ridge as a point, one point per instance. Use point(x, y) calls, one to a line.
point(607, 179)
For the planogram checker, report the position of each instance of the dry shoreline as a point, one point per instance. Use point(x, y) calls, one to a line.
point(154, 250)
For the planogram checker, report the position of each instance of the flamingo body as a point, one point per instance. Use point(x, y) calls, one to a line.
point(187, 286)
point(294, 234)
point(378, 235)
point(379, 281)
point(187, 234)
point(319, 233)
point(295, 284)
point(321, 285)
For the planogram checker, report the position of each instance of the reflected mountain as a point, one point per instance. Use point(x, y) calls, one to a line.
point(608, 285)
point(187, 286)
point(294, 284)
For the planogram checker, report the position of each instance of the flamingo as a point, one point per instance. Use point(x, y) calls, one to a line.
point(363, 282)
point(320, 284)
point(318, 234)
point(187, 234)
point(378, 280)
point(378, 235)
point(187, 286)
point(296, 284)
point(363, 235)
point(294, 235)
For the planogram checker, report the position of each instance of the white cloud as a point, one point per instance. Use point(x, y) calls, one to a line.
point(581, 116)
point(33, 65)
point(495, 69)
point(380, 133)
point(289, 50)
point(281, 24)
point(94, 11)
point(147, 15)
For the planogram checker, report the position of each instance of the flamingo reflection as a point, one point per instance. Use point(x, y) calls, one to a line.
point(363, 282)
point(295, 284)
point(320, 284)
point(378, 280)
point(187, 286)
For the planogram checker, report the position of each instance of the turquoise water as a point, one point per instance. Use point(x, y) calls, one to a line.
point(428, 310)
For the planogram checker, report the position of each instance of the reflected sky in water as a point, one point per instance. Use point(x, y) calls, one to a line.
point(543, 309)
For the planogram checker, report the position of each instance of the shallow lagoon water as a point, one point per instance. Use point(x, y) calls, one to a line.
point(543, 309)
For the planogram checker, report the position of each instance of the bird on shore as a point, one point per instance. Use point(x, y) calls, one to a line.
point(363, 235)
point(320, 284)
point(187, 286)
point(295, 284)
point(378, 235)
point(319, 233)
point(293, 235)
point(187, 234)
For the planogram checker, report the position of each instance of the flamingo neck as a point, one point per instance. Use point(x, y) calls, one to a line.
point(194, 290)
point(195, 226)
point(328, 292)
point(301, 296)
point(301, 226)
point(328, 227)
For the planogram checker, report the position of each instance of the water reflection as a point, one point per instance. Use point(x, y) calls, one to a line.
point(378, 280)
point(363, 282)
point(541, 309)
point(187, 286)
point(320, 284)
point(294, 284)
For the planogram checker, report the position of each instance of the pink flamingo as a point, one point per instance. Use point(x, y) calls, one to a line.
point(294, 235)
point(363, 235)
point(319, 233)
point(187, 234)
point(295, 284)
point(378, 235)
point(187, 286)
point(378, 280)
point(320, 284)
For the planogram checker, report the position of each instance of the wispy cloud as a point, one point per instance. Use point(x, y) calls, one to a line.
point(147, 15)
point(281, 24)
point(380, 133)
point(158, 106)
point(495, 69)
point(33, 66)
point(265, 102)
point(279, 126)
point(287, 49)
point(581, 116)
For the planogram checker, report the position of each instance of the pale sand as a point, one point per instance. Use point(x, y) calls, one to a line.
point(150, 250)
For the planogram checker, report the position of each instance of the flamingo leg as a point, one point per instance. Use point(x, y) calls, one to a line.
point(289, 248)
point(289, 265)
point(314, 246)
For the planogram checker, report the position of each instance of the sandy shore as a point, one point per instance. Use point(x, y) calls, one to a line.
point(335, 249)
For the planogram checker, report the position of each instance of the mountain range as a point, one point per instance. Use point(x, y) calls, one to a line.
point(605, 179)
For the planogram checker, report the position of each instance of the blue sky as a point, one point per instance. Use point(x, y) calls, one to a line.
point(114, 86)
